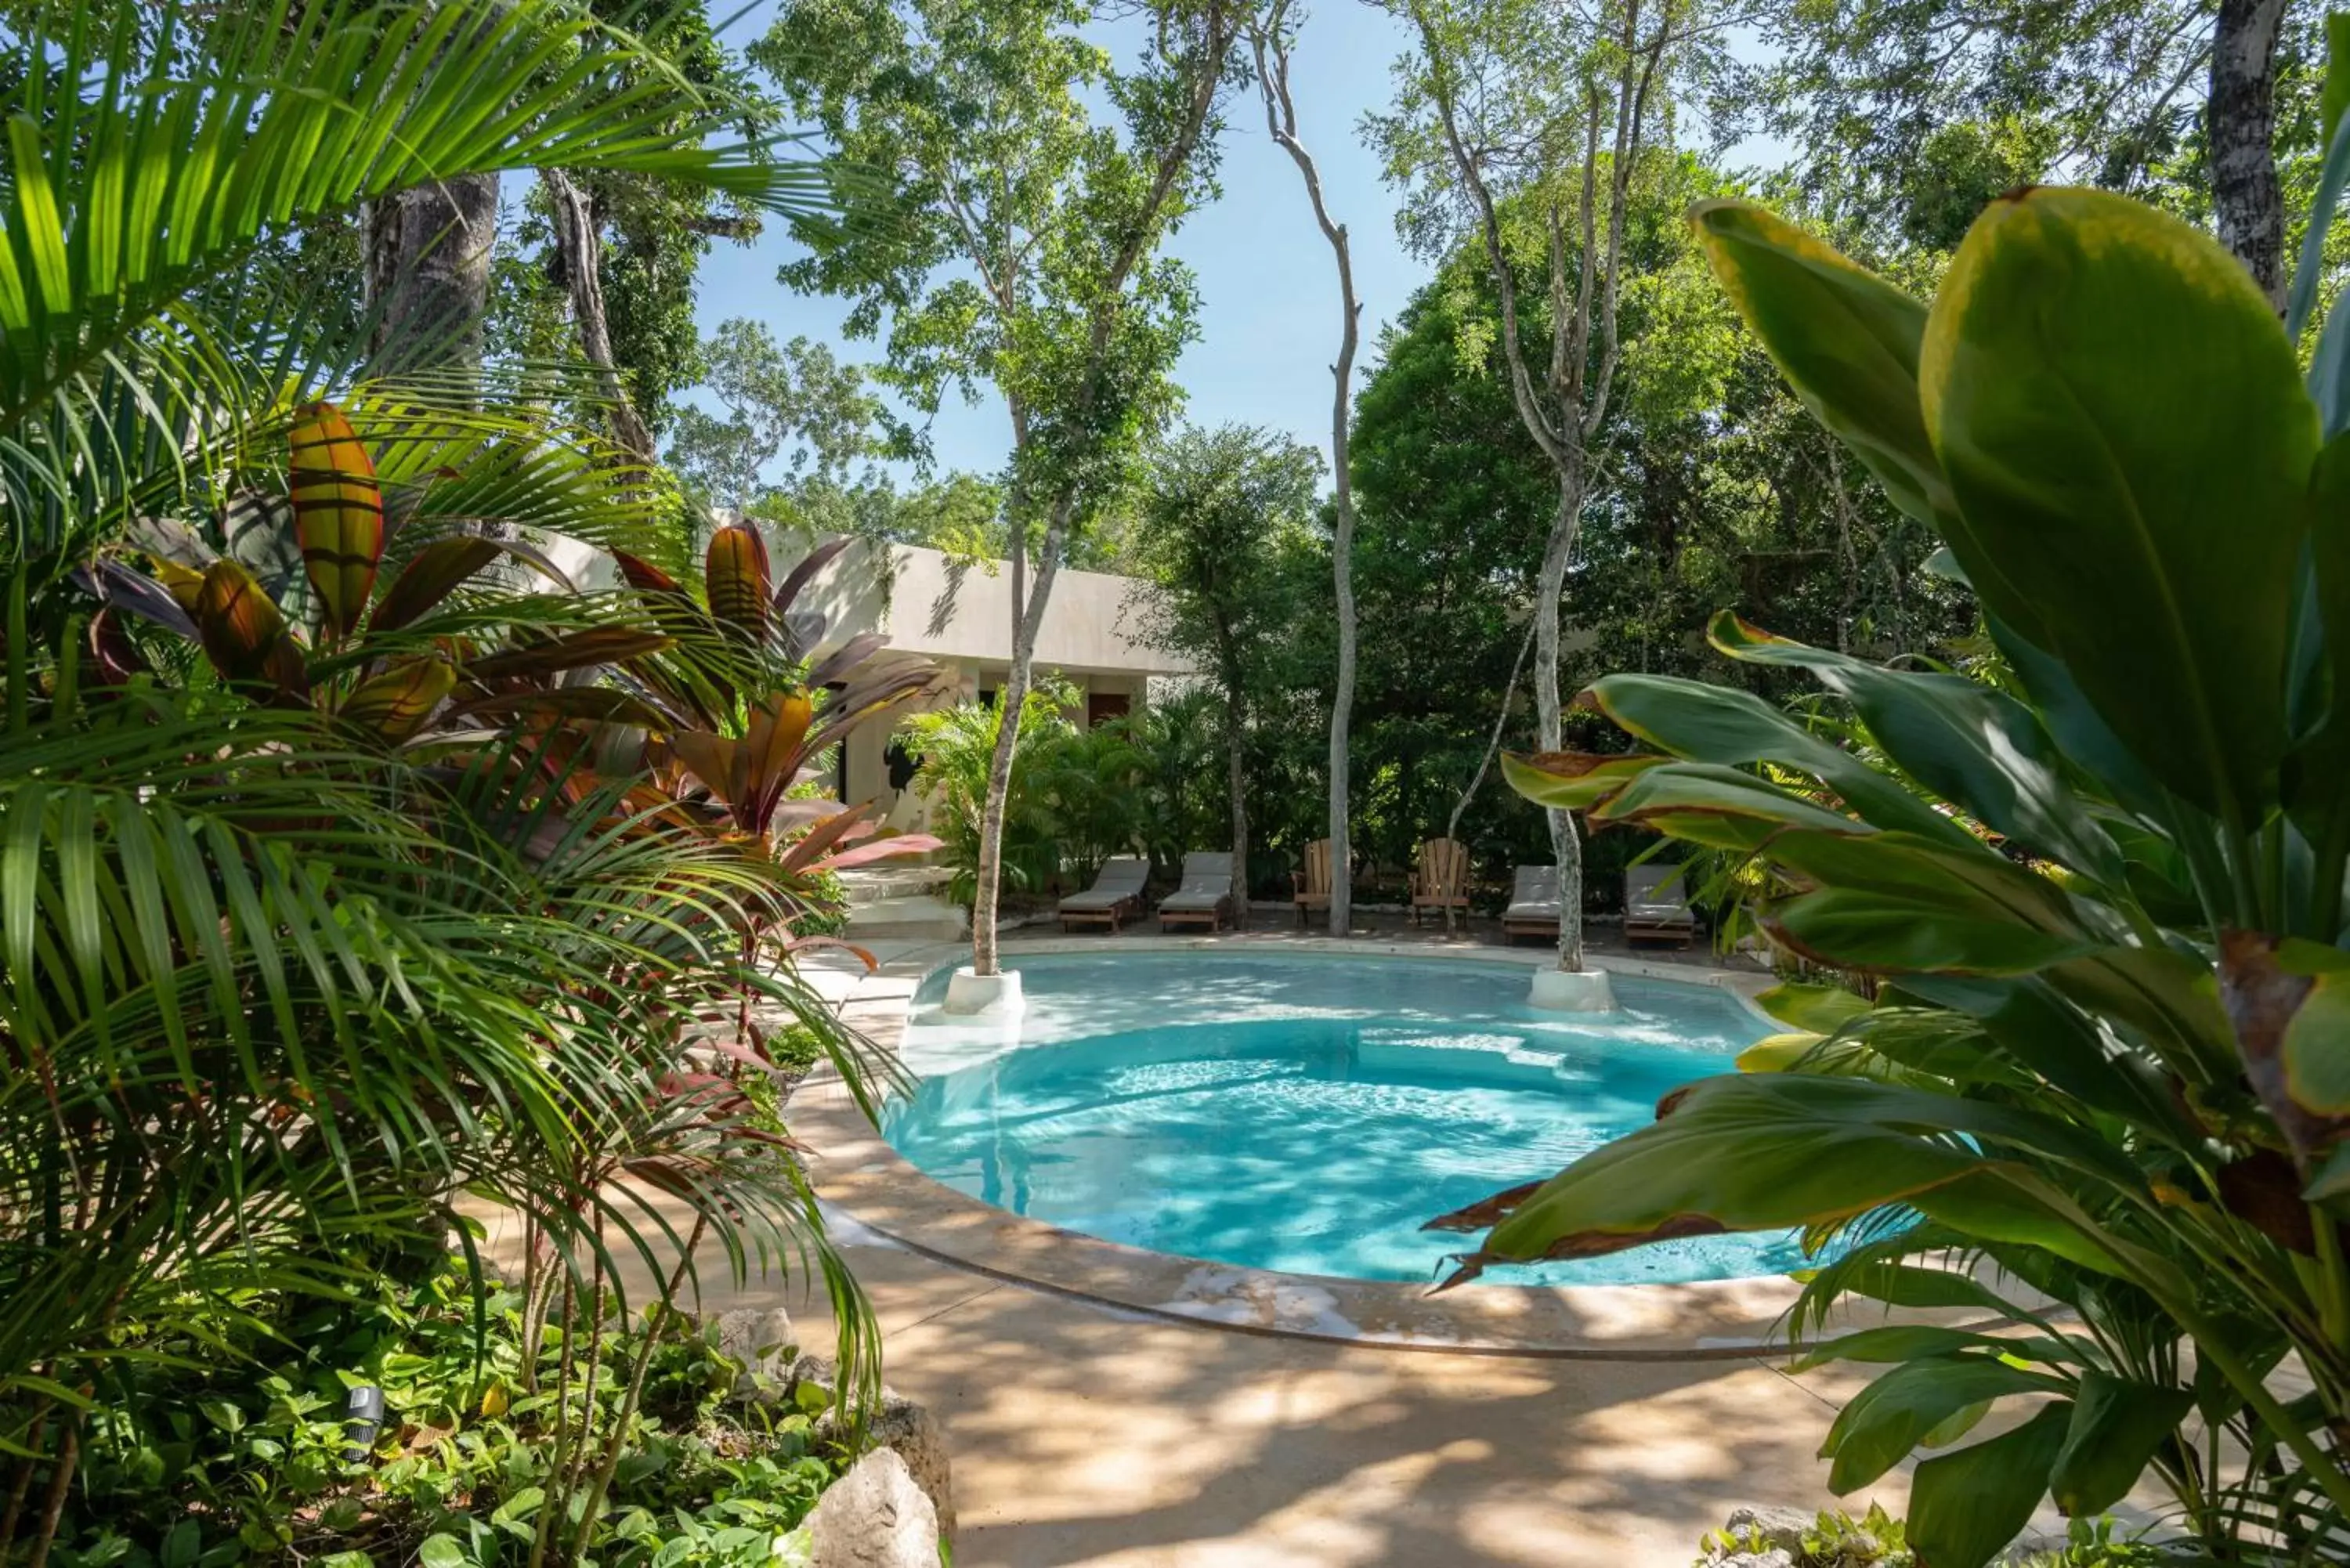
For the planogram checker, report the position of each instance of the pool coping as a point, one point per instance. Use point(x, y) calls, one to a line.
point(855, 1171)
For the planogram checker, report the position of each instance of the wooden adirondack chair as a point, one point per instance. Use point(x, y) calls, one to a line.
point(1310, 888)
point(1440, 880)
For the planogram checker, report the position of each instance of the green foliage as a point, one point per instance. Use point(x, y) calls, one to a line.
point(1832, 1539)
point(955, 745)
point(789, 401)
point(247, 1457)
point(2105, 906)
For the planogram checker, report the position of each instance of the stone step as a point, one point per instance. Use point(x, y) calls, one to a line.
point(906, 917)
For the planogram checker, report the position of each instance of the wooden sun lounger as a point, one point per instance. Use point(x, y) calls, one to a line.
point(1534, 909)
point(1116, 894)
point(1656, 906)
point(1205, 898)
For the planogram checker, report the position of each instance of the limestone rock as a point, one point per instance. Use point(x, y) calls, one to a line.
point(1776, 1557)
point(1782, 1527)
point(900, 1425)
point(874, 1517)
point(759, 1340)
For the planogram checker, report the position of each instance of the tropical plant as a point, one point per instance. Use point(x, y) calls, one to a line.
point(2106, 1069)
point(1089, 784)
point(957, 748)
point(279, 994)
point(251, 1457)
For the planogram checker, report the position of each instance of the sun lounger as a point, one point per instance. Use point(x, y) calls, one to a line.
point(1116, 894)
point(1205, 898)
point(1534, 909)
point(1656, 905)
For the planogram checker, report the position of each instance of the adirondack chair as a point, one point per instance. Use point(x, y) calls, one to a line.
point(1310, 888)
point(1440, 880)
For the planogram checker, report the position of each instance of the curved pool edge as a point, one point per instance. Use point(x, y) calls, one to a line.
point(854, 1170)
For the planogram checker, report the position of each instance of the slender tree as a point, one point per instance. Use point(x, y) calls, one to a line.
point(1012, 240)
point(1269, 39)
point(1517, 101)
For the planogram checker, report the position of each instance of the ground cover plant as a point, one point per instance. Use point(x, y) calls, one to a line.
point(473, 1458)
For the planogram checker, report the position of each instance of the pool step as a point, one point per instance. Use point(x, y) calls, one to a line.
point(903, 903)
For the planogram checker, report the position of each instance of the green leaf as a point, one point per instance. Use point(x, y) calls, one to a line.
point(1772, 1150)
point(1980, 748)
point(1964, 1507)
point(1919, 1342)
point(1722, 725)
point(442, 1551)
point(1720, 807)
point(1572, 781)
point(2117, 1427)
point(1846, 340)
point(2317, 1047)
point(2122, 423)
point(1894, 1416)
point(1822, 1008)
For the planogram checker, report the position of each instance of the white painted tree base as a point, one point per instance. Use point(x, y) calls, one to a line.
point(971, 994)
point(1572, 990)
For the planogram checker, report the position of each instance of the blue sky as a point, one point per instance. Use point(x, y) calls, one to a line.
point(1269, 320)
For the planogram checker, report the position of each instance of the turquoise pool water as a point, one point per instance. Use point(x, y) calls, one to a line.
point(1306, 1113)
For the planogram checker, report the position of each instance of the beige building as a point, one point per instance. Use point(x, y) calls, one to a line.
point(960, 615)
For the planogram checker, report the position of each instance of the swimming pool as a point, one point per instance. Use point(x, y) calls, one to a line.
point(1305, 1113)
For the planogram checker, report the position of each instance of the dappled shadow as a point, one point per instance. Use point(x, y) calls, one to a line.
point(1086, 1437)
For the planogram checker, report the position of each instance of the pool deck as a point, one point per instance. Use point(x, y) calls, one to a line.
point(1085, 1433)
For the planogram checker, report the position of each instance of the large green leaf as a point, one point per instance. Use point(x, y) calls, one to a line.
point(1772, 1150)
point(1846, 340)
point(1572, 781)
point(1976, 747)
point(2122, 423)
point(1890, 1419)
point(1898, 904)
point(1718, 806)
point(2037, 1029)
point(2118, 1425)
point(1964, 1507)
point(1707, 724)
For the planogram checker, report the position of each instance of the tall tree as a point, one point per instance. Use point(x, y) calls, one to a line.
point(1224, 512)
point(1520, 101)
point(2173, 100)
point(1269, 39)
point(1012, 241)
point(791, 403)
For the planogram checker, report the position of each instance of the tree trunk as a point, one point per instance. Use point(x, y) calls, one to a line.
point(427, 272)
point(1271, 42)
point(579, 252)
point(1009, 701)
point(2240, 123)
point(1566, 844)
point(1236, 763)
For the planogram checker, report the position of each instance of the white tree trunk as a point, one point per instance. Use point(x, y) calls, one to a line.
point(1566, 844)
point(1009, 701)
